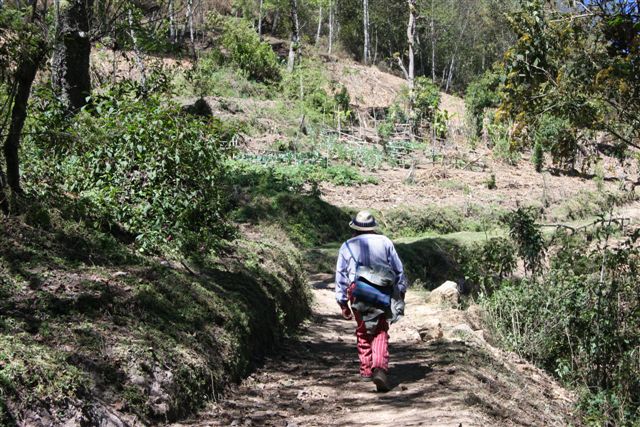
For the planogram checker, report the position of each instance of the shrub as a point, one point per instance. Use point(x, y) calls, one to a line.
point(557, 136)
point(487, 263)
point(582, 322)
point(139, 164)
point(503, 147)
point(480, 95)
point(537, 157)
point(527, 235)
point(587, 204)
point(342, 99)
point(246, 51)
point(427, 99)
point(308, 85)
point(491, 182)
point(413, 222)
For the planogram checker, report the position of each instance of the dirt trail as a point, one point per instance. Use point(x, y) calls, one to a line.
point(444, 374)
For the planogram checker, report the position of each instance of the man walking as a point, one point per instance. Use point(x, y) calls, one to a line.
point(369, 275)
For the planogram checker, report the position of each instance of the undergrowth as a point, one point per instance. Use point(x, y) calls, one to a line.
point(85, 322)
point(580, 319)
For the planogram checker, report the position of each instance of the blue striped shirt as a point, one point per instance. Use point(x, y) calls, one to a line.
point(370, 250)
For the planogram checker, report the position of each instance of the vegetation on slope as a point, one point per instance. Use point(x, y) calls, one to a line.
point(88, 326)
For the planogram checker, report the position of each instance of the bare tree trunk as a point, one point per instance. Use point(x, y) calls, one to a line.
point(172, 23)
point(136, 53)
point(375, 50)
point(411, 74)
point(411, 36)
point(71, 57)
point(433, 44)
point(455, 53)
point(365, 24)
point(331, 18)
point(319, 25)
point(295, 36)
point(260, 19)
point(276, 21)
point(450, 74)
point(4, 202)
point(190, 21)
point(402, 67)
point(25, 75)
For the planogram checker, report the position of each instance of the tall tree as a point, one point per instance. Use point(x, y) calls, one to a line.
point(172, 22)
point(331, 24)
point(260, 13)
point(319, 30)
point(71, 56)
point(366, 28)
point(294, 47)
point(29, 54)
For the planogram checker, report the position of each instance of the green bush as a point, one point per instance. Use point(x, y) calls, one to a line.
point(427, 99)
point(342, 99)
point(537, 158)
point(587, 204)
point(503, 147)
point(558, 137)
point(414, 222)
point(487, 263)
point(528, 237)
point(480, 95)
point(248, 53)
point(582, 322)
point(308, 86)
point(141, 165)
point(211, 77)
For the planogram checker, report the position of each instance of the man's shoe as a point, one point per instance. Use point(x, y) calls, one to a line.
point(381, 380)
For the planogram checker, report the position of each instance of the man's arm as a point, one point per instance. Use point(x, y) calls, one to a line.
point(342, 277)
point(396, 265)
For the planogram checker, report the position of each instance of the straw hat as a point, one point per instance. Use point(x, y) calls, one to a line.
point(364, 221)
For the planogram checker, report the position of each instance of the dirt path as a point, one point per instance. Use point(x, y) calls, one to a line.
point(444, 374)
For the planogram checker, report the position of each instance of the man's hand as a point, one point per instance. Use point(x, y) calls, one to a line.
point(346, 312)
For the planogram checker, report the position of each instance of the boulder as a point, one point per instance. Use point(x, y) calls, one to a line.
point(447, 293)
point(431, 330)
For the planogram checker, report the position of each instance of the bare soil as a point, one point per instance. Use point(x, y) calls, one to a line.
point(444, 373)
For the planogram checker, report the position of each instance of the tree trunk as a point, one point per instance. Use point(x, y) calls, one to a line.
point(260, 19)
point(319, 25)
point(25, 75)
point(331, 18)
point(172, 23)
point(455, 53)
point(190, 21)
point(295, 36)
point(71, 57)
point(136, 53)
point(450, 75)
point(411, 35)
point(276, 21)
point(433, 44)
point(4, 202)
point(365, 24)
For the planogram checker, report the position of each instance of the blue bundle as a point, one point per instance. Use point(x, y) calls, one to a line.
point(370, 294)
